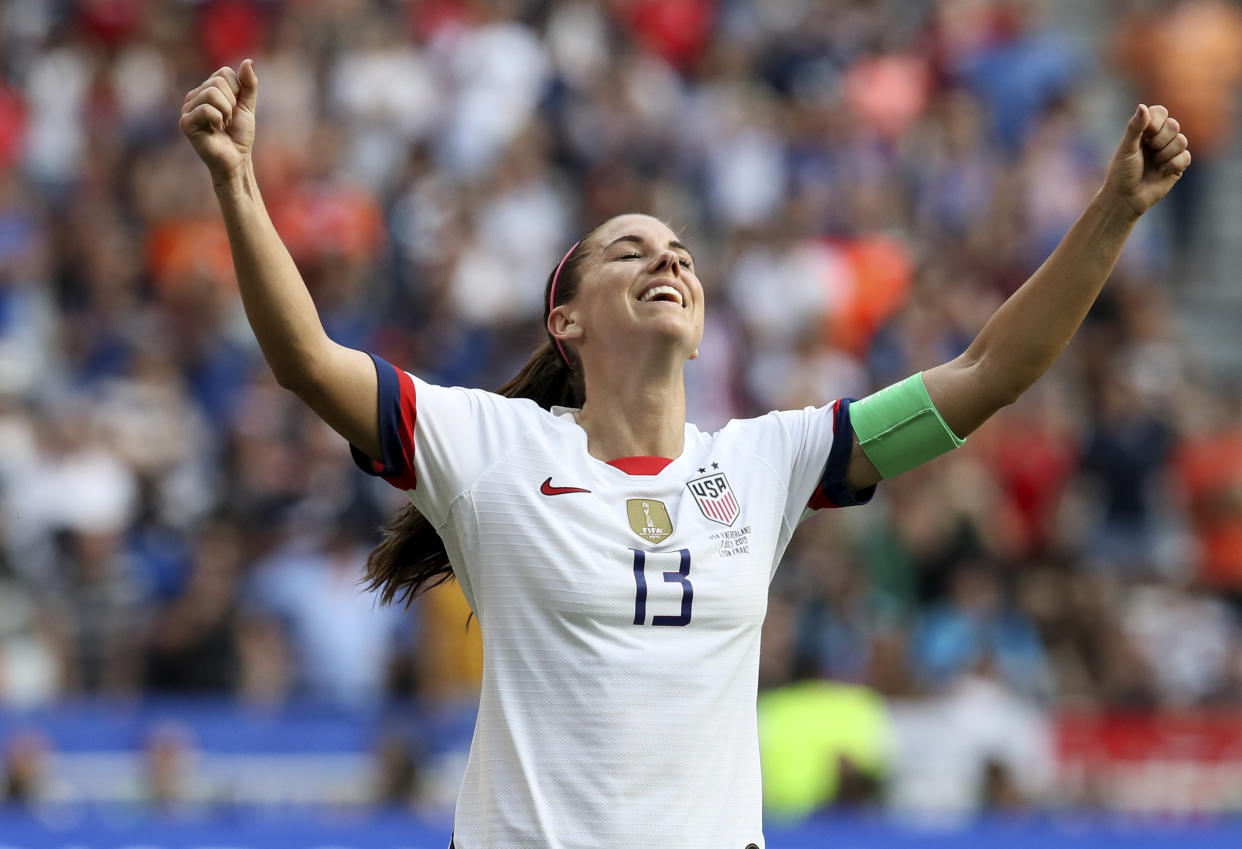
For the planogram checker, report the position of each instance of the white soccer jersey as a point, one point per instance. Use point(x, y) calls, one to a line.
point(620, 606)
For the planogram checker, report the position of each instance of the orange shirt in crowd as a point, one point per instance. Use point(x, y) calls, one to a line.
point(883, 274)
point(1209, 468)
point(1188, 58)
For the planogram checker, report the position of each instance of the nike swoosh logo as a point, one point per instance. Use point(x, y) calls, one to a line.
point(548, 489)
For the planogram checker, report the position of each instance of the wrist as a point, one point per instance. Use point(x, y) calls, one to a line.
point(236, 181)
point(1116, 206)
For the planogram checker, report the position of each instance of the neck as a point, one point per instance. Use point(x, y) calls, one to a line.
point(634, 412)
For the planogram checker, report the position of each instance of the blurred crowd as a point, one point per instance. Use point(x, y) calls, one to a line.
point(861, 183)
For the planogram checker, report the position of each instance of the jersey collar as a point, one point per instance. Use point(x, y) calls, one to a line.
point(636, 466)
point(641, 465)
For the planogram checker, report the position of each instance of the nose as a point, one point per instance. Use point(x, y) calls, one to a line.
point(667, 259)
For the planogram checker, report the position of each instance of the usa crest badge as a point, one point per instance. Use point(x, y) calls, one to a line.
point(715, 498)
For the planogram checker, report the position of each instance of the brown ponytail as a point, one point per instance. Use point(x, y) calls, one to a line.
point(411, 557)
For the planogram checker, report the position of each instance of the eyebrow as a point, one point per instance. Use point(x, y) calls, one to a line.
point(638, 240)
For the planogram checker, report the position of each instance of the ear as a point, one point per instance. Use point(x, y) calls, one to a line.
point(563, 324)
point(695, 354)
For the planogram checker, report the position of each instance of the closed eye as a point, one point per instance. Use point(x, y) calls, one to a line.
point(682, 261)
point(684, 258)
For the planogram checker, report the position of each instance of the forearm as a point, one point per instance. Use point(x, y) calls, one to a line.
point(1017, 345)
point(277, 304)
point(338, 383)
point(1031, 329)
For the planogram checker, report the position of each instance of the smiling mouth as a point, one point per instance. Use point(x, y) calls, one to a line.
point(662, 293)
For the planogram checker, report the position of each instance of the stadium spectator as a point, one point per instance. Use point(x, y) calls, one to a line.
point(192, 645)
point(823, 745)
point(1187, 54)
point(951, 754)
point(975, 626)
point(1208, 466)
point(25, 771)
point(341, 643)
point(171, 787)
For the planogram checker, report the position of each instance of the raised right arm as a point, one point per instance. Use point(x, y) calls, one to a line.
point(338, 383)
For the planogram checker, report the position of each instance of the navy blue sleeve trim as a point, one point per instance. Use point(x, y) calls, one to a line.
point(392, 463)
point(833, 490)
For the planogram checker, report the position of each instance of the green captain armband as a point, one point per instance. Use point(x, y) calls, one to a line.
point(899, 427)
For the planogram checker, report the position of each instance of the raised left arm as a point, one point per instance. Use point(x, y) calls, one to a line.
point(1031, 329)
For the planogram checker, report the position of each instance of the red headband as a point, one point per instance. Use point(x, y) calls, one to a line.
point(552, 297)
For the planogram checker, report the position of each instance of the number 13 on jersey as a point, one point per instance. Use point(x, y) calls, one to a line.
point(681, 576)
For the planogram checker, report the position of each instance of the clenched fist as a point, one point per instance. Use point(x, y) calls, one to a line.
point(1151, 157)
point(218, 119)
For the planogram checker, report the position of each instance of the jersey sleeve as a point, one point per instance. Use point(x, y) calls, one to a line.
point(437, 441)
point(817, 442)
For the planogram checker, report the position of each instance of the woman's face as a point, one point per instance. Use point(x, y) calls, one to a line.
point(638, 292)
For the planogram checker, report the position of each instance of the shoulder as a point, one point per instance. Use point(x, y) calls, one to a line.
point(763, 439)
point(785, 438)
point(462, 412)
point(778, 424)
point(480, 398)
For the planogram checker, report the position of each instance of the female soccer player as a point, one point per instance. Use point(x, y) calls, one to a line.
point(616, 557)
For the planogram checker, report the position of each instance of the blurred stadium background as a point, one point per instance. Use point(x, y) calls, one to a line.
point(1036, 639)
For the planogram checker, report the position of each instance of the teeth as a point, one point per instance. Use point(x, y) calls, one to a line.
point(654, 292)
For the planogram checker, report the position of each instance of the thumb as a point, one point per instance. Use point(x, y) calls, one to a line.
point(1133, 136)
point(248, 80)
